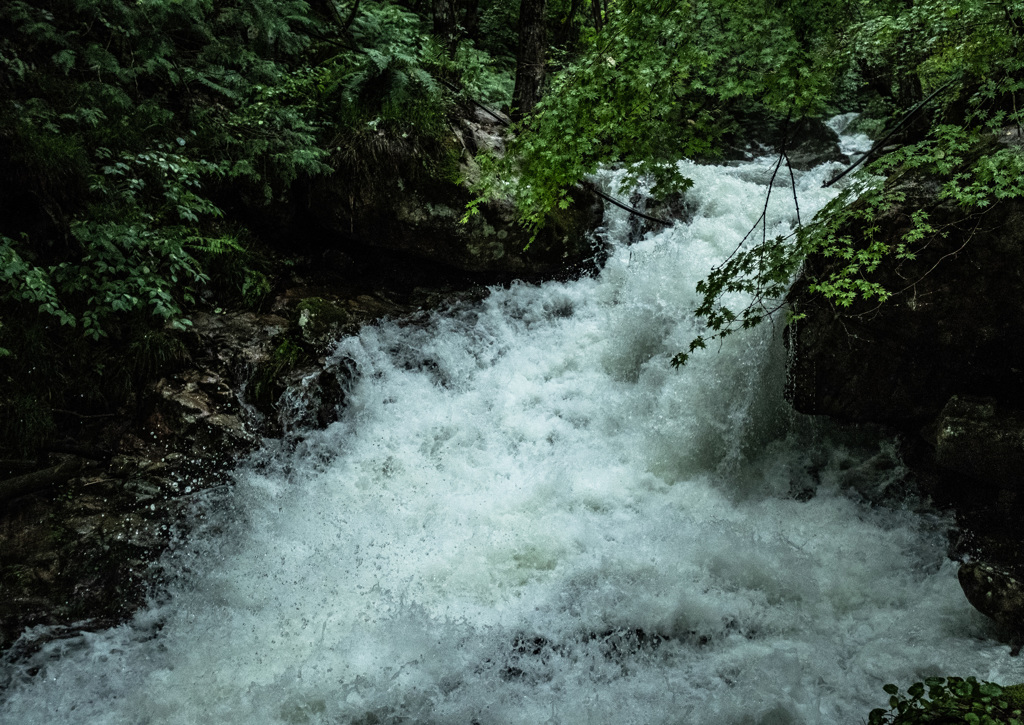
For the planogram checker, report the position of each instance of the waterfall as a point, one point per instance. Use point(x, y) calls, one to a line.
point(525, 515)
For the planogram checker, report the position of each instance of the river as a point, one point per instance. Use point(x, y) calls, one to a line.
point(525, 515)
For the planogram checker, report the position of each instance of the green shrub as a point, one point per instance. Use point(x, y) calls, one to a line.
point(950, 700)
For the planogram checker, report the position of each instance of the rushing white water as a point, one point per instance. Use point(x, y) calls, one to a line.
point(525, 515)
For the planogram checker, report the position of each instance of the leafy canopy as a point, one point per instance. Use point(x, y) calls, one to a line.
point(141, 137)
point(665, 80)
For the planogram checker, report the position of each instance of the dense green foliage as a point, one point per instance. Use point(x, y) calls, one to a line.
point(665, 80)
point(119, 123)
point(950, 700)
point(129, 125)
point(142, 139)
point(974, 60)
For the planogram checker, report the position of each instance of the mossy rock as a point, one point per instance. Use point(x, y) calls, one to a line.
point(321, 321)
point(268, 379)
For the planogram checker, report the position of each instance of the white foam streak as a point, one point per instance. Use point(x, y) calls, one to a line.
point(525, 516)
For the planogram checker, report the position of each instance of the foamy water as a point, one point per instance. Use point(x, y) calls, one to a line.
point(524, 515)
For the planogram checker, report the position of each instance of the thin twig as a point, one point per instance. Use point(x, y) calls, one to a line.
point(455, 88)
point(82, 415)
point(764, 212)
point(621, 205)
point(792, 180)
point(942, 259)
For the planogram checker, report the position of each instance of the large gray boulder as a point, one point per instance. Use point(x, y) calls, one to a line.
point(954, 324)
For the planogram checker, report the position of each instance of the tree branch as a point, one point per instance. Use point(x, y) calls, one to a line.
point(18, 486)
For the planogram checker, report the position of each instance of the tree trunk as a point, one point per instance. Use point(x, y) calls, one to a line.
point(567, 33)
point(595, 10)
point(12, 488)
point(444, 24)
point(530, 58)
point(471, 16)
point(908, 94)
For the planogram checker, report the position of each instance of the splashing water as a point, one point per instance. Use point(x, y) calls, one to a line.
point(524, 515)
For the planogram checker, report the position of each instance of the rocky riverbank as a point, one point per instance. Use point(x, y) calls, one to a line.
point(80, 535)
point(942, 362)
point(83, 525)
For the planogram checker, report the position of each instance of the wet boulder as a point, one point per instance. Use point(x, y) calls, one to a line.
point(674, 207)
point(323, 322)
point(811, 142)
point(807, 142)
point(83, 551)
point(483, 130)
point(953, 325)
point(997, 594)
point(198, 407)
point(427, 223)
point(979, 452)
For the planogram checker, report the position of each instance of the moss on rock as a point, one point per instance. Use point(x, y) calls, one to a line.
point(321, 321)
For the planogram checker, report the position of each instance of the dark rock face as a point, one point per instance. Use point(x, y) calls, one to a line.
point(976, 438)
point(672, 208)
point(809, 143)
point(942, 361)
point(979, 448)
point(86, 553)
point(954, 324)
point(83, 548)
point(421, 217)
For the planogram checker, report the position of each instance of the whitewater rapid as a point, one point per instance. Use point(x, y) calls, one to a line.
point(525, 515)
